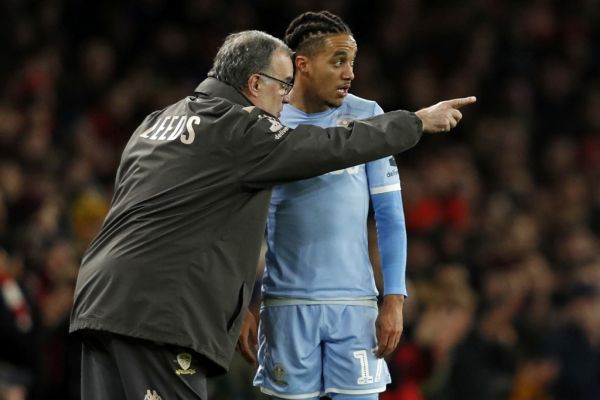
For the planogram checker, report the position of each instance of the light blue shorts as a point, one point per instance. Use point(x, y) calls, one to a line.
point(307, 351)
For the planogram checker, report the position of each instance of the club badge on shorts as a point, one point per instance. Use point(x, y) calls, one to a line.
point(279, 375)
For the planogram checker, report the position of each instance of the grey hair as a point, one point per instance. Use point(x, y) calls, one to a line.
point(243, 54)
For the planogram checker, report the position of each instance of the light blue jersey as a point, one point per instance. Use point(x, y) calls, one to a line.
point(317, 228)
point(317, 320)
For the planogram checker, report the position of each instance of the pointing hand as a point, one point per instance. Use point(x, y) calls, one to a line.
point(443, 116)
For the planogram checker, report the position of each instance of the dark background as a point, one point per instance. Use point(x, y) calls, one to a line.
point(503, 214)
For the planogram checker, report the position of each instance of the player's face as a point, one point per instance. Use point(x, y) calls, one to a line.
point(272, 93)
point(331, 70)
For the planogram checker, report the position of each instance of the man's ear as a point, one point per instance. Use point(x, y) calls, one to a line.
point(301, 64)
point(253, 84)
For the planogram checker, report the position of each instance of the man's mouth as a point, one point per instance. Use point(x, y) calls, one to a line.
point(343, 90)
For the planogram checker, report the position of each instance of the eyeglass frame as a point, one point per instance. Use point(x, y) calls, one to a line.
point(283, 85)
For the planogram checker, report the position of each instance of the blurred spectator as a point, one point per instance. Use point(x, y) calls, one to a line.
point(19, 334)
point(503, 215)
point(575, 345)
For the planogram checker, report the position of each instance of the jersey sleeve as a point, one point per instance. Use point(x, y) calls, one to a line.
point(383, 173)
point(384, 188)
point(377, 110)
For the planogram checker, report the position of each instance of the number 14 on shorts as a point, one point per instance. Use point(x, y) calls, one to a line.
point(365, 377)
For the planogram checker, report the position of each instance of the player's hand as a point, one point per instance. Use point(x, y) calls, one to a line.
point(389, 325)
point(443, 116)
point(247, 344)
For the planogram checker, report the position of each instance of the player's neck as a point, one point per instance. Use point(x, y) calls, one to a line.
point(306, 100)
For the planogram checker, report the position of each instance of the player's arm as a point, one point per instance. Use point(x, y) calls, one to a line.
point(391, 237)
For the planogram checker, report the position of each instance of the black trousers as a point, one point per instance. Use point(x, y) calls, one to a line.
point(116, 367)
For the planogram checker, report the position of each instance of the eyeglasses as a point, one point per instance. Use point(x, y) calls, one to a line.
point(285, 87)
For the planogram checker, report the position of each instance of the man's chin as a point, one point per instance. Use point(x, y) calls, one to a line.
point(335, 102)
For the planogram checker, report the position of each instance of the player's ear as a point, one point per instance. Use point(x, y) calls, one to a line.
point(301, 63)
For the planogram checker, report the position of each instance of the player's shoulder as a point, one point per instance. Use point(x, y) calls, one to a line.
point(361, 105)
point(356, 100)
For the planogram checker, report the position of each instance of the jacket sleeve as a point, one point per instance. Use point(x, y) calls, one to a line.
point(270, 153)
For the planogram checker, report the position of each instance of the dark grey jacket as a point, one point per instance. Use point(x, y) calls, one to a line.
point(176, 257)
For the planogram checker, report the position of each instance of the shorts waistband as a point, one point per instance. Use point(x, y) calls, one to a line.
point(273, 302)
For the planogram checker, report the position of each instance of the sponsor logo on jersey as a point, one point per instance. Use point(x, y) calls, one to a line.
point(394, 171)
point(279, 375)
point(344, 120)
point(185, 361)
point(152, 395)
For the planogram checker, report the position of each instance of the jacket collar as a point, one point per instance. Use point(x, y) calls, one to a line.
point(213, 87)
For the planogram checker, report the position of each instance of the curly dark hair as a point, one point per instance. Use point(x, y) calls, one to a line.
point(302, 32)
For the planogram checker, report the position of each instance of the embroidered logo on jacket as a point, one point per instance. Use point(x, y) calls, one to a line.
point(276, 127)
point(185, 361)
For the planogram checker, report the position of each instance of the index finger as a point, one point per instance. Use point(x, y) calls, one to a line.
point(461, 102)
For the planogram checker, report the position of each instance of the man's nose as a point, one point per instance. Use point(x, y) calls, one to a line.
point(348, 73)
point(285, 99)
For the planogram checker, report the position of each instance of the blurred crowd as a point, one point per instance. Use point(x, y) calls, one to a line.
point(503, 214)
